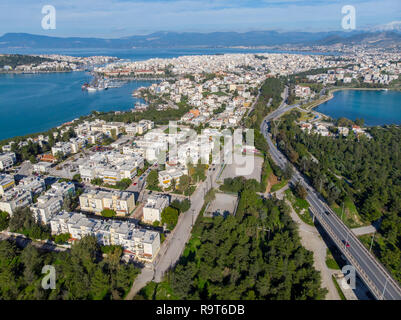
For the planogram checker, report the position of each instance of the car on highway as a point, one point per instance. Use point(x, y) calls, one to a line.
point(346, 243)
point(327, 212)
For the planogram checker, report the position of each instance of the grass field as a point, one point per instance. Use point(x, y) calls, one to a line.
point(279, 185)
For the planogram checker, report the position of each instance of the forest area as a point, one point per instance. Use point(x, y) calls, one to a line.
point(81, 273)
point(14, 60)
point(255, 254)
point(352, 169)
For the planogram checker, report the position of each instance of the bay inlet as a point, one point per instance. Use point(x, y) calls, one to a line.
point(376, 107)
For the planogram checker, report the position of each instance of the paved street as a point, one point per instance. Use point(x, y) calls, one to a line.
point(174, 245)
point(364, 230)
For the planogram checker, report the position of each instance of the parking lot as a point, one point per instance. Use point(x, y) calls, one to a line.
point(224, 204)
point(253, 162)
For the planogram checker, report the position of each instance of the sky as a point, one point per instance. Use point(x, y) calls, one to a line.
point(119, 18)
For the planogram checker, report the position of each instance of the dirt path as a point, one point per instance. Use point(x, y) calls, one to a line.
point(271, 181)
point(312, 241)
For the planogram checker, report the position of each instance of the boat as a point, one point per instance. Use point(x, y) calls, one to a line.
point(91, 89)
point(85, 86)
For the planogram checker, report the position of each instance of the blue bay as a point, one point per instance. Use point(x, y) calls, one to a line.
point(376, 107)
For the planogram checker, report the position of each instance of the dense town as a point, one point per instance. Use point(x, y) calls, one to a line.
point(126, 183)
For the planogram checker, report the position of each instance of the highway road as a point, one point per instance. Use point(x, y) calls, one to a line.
point(374, 275)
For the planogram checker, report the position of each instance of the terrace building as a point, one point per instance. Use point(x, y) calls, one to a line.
point(123, 203)
point(139, 244)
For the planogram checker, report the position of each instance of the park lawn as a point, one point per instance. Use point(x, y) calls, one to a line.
point(279, 185)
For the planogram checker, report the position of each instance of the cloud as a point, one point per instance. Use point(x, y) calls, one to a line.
point(116, 18)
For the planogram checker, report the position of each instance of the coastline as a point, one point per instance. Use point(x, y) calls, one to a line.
point(37, 72)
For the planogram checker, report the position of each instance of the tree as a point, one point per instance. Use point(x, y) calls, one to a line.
point(170, 217)
point(97, 181)
point(108, 213)
point(288, 171)
point(181, 206)
point(185, 182)
point(32, 159)
point(124, 183)
point(210, 195)
point(153, 179)
point(68, 204)
point(4, 220)
point(62, 238)
point(300, 191)
point(77, 178)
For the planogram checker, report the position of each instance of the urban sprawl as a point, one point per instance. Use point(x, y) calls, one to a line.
point(124, 176)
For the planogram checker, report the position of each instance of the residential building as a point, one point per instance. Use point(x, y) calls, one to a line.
point(153, 209)
point(46, 207)
point(123, 203)
point(7, 182)
point(13, 199)
point(139, 244)
point(7, 160)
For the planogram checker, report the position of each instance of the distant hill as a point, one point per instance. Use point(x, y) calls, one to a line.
point(382, 39)
point(187, 39)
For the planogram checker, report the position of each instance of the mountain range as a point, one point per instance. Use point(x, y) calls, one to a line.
point(216, 39)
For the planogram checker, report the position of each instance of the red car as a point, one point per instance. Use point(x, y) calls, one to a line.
point(134, 184)
point(346, 243)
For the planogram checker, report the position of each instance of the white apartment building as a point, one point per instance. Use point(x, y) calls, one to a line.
point(7, 182)
point(123, 203)
point(111, 167)
point(140, 244)
point(153, 209)
point(46, 207)
point(62, 147)
point(131, 130)
point(13, 199)
point(33, 184)
point(51, 202)
point(7, 160)
point(77, 144)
